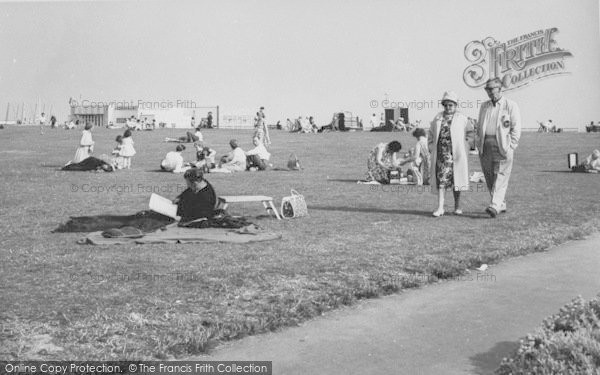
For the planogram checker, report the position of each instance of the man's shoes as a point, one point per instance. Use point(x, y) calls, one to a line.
point(458, 212)
point(492, 212)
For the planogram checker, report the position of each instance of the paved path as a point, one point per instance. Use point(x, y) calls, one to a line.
point(456, 327)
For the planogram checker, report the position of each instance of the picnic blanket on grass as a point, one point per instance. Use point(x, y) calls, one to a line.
point(250, 233)
point(147, 221)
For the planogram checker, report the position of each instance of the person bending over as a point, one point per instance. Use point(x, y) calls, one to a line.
point(383, 159)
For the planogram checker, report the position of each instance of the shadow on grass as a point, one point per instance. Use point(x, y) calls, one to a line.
point(482, 215)
point(486, 363)
point(370, 210)
point(352, 180)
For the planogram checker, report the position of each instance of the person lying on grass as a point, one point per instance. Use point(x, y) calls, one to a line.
point(90, 164)
point(188, 138)
point(198, 200)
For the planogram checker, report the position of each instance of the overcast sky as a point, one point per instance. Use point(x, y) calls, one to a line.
point(293, 57)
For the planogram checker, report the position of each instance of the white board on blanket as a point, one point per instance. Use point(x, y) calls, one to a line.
point(163, 206)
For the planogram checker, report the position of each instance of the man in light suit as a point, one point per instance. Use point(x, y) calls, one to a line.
point(498, 133)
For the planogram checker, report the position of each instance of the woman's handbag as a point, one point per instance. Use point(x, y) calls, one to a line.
point(294, 163)
point(294, 205)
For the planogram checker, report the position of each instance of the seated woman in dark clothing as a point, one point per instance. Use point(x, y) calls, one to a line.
point(198, 200)
point(89, 164)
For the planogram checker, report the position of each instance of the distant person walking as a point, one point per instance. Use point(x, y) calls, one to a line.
point(498, 132)
point(42, 121)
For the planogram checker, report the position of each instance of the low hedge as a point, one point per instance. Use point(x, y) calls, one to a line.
point(566, 343)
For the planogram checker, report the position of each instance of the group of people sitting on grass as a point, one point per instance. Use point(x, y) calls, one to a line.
point(303, 124)
point(378, 124)
point(548, 127)
point(137, 124)
point(236, 160)
point(593, 128)
point(307, 124)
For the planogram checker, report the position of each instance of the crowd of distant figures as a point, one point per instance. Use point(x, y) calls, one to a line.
point(236, 160)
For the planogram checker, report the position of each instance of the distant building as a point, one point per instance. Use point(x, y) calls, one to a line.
point(102, 115)
point(119, 115)
point(95, 115)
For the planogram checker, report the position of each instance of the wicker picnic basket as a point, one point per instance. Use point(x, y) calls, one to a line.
point(294, 205)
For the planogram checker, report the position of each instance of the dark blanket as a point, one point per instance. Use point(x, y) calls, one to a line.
point(147, 221)
point(89, 164)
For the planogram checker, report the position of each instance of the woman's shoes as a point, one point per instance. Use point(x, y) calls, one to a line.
point(438, 213)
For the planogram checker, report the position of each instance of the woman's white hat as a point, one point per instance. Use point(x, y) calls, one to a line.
point(451, 96)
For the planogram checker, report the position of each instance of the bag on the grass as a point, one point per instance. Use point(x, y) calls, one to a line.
point(294, 205)
point(294, 163)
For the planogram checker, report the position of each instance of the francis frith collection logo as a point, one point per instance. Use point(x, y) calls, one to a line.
point(517, 62)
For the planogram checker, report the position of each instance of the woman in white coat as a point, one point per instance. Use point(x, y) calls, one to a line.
point(86, 145)
point(449, 157)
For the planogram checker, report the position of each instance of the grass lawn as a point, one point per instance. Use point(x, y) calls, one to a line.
point(60, 300)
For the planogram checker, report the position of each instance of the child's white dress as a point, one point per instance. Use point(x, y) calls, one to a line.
point(85, 147)
point(127, 149)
